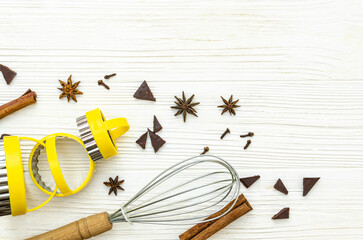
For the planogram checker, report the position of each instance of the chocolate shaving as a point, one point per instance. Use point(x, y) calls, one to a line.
point(248, 181)
point(8, 74)
point(4, 135)
point(157, 125)
point(144, 93)
point(142, 140)
point(280, 186)
point(283, 214)
point(156, 141)
point(308, 184)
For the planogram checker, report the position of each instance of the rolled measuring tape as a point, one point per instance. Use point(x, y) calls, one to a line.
point(12, 183)
point(49, 142)
point(99, 134)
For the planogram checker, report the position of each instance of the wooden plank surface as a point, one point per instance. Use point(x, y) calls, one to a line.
point(296, 67)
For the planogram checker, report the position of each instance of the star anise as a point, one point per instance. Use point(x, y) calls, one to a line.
point(114, 184)
point(185, 106)
point(68, 89)
point(229, 105)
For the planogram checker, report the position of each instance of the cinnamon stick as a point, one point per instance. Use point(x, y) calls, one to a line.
point(224, 221)
point(192, 232)
point(28, 98)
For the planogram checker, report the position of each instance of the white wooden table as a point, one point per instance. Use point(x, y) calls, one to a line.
point(296, 67)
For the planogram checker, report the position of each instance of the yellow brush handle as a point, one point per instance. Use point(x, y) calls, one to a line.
point(82, 229)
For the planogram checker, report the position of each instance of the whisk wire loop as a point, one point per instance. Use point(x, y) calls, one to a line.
point(205, 193)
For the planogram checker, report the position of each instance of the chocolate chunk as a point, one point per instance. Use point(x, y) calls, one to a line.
point(8, 74)
point(157, 125)
point(142, 140)
point(280, 186)
point(283, 214)
point(308, 184)
point(144, 93)
point(248, 181)
point(156, 141)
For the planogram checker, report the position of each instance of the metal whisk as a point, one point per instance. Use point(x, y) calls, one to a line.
point(185, 193)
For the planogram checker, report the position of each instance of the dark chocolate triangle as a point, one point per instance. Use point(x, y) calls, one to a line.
point(248, 181)
point(308, 184)
point(157, 125)
point(8, 74)
point(142, 140)
point(283, 214)
point(280, 186)
point(144, 93)
point(156, 141)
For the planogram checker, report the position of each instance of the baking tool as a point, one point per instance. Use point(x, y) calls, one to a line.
point(12, 183)
point(96, 132)
point(185, 193)
point(99, 135)
point(50, 146)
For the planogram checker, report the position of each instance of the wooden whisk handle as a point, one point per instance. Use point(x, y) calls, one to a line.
point(82, 229)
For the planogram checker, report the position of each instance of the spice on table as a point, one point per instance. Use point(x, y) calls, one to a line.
point(144, 93)
point(250, 134)
point(185, 106)
point(248, 181)
point(202, 231)
point(28, 98)
point(156, 141)
point(247, 144)
point(283, 214)
point(100, 82)
point(8, 74)
point(142, 140)
point(206, 149)
point(69, 89)
point(225, 133)
point(308, 184)
point(114, 185)
point(109, 76)
point(280, 186)
point(157, 126)
point(229, 105)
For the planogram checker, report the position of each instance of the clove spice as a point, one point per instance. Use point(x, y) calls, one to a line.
point(100, 82)
point(109, 76)
point(250, 134)
point(247, 144)
point(206, 149)
point(225, 133)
